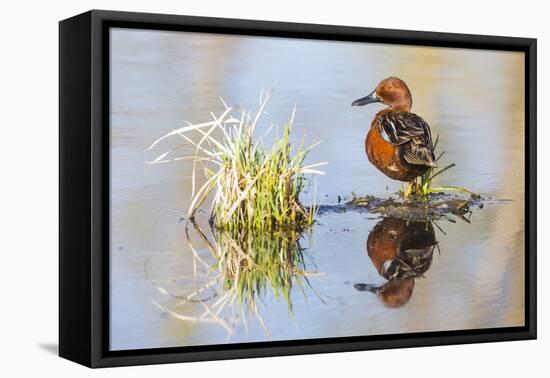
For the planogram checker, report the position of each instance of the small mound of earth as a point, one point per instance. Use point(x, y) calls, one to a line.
point(440, 205)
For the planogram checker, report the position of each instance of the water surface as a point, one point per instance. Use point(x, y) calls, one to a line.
point(473, 99)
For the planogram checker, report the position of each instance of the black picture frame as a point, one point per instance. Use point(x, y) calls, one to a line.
point(84, 188)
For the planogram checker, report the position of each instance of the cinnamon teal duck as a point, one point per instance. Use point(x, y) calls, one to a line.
point(399, 142)
point(401, 251)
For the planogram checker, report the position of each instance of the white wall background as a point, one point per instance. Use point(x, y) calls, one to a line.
point(29, 185)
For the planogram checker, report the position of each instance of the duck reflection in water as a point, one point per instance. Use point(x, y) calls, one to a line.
point(401, 251)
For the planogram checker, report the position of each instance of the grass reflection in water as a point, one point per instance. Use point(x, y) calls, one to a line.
point(246, 268)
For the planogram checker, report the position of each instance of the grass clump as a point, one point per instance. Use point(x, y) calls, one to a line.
point(252, 188)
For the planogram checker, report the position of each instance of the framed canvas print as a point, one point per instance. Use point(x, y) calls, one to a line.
point(234, 188)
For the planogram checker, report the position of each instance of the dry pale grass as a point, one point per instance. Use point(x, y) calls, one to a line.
point(252, 187)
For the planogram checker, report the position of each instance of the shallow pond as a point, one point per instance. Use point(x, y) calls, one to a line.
point(474, 101)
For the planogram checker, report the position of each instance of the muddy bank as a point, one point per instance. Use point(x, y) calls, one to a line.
point(441, 205)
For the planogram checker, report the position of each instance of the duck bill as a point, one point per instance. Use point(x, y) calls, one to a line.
point(375, 289)
point(369, 99)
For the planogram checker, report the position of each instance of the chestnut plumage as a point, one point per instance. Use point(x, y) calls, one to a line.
point(401, 251)
point(399, 143)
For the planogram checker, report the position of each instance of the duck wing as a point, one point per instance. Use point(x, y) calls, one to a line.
point(411, 131)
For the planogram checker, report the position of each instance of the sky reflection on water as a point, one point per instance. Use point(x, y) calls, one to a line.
point(472, 99)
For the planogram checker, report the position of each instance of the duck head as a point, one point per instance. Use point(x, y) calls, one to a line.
point(391, 91)
point(394, 293)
